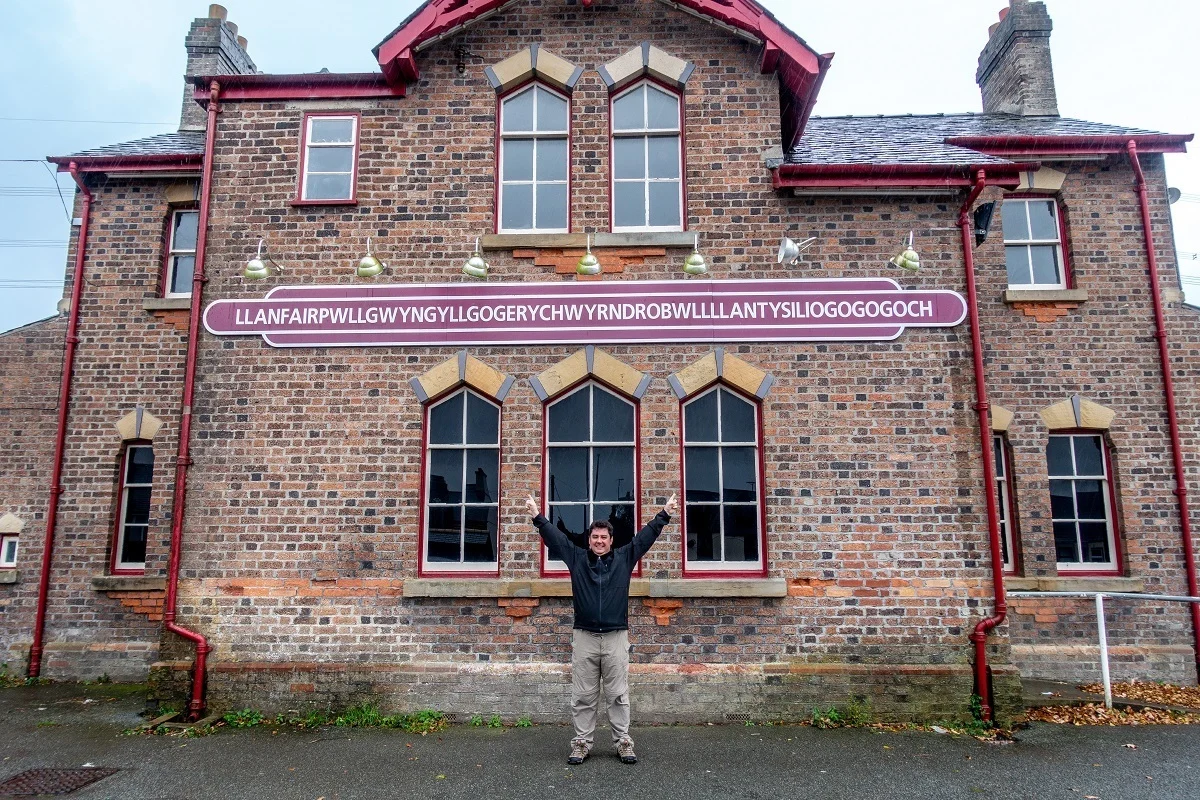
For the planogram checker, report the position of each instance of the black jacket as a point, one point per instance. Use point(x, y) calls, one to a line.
point(600, 584)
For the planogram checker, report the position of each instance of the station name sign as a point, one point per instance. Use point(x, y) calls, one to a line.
point(695, 310)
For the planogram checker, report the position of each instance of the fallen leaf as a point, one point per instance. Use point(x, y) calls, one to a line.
point(441, 777)
point(1130, 746)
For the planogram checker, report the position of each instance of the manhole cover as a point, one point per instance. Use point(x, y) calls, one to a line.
point(34, 782)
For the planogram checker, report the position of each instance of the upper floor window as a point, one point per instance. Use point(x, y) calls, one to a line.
point(1081, 502)
point(647, 160)
point(181, 253)
point(533, 161)
point(1004, 500)
point(329, 159)
point(1033, 246)
point(591, 450)
point(133, 515)
point(8, 551)
point(721, 483)
point(462, 490)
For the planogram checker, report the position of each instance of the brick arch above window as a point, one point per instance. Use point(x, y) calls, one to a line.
point(720, 366)
point(642, 61)
point(462, 370)
point(590, 362)
point(534, 62)
point(138, 424)
point(1077, 412)
point(1002, 419)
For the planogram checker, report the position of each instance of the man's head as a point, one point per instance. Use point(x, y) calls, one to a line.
point(600, 537)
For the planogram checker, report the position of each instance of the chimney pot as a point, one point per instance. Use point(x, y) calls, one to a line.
point(241, 40)
point(217, 11)
point(232, 28)
point(1003, 14)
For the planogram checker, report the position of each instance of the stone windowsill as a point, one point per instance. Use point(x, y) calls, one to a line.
point(128, 583)
point(1045, 296)
point(168, 304)
point(638, 587)
point(516, 241)
point(1069, 584)
point(9, 576)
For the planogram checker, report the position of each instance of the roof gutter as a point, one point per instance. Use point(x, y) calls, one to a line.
point(298, 86)
point(899, 176)
point(172, 162)
point(1072, 145)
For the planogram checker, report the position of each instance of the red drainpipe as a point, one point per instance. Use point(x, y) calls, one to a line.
point(183, 459)
point(979, 636)
point(1164, 357)
point(64, 400)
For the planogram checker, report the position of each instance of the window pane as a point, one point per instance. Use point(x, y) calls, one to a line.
point(483, 421)
point(518, 112)
point(182, 270)
point(998, 456)
point(517, 155)
point(569, 417)
point(629, 112)
point(1088, 457)
point(701, 474)
point(1016, 262)
point(552, 160)
point(569, 519)
point(1058, 456)
point(518, 206)
point(551, 111)
point(703, 533)
point(614, 417)
point(1012, 216)
point(664, 204)
point(140, 465)
point(612, 473)
point(551, 205)
point(663, 156)
point(568, 474)
point(662, 109)
point(445, 533)
point(1065, 547)
point(700, 419)
point(331, 129)
point(629, 157)
point(629, 205)
point(741, 533)
point(446, 421)
point(739, 475)
point(184, 235)
point(479, 537)
point(137, 506)
point(133, 546)
point(483, 470)
point(1045, 264)
point(620, 516)
point(1004, 543)
point(1089, 500)
point(445, 476)
point(1062, 500)
point(330, 159)
point(327, 187)
point(1094, 536)
point(9, 554)
point(737, 418)
point(1043, 220)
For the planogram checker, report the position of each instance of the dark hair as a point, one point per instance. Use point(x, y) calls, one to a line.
point(601, 524)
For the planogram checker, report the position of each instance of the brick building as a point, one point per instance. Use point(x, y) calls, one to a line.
point(272, 493)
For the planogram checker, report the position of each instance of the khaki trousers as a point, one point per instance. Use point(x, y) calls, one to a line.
point(599, 661)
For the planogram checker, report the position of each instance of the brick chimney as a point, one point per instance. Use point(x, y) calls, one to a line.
point(1015, 75)
point(213, 48)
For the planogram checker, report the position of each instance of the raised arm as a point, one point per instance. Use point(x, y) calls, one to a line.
point(561, 546)
point(648, 535)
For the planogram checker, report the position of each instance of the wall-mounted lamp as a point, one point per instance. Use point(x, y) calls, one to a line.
point(462, 54)
point(589, 264)
point(694, 263)
point(983, 221)
point(261, 265)
point(789, 251)
point(369, 266)
point(476, 267)
point(907, 258)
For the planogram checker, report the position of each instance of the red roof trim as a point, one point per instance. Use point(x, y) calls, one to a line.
point(1072, 145)
point(189, 162)
point(832, 176)
point(303, 86)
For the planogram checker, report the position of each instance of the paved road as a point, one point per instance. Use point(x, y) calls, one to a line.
point(69, 726)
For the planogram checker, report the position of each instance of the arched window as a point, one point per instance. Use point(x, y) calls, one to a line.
point(647, 160)
point(1081, 502)
point(133, 511)
point(534, 161)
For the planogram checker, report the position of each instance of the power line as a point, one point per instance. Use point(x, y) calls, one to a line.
point(33, 243)
point(27, 191)
point(83, 121)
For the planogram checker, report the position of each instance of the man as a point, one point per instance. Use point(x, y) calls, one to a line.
point(600, 639)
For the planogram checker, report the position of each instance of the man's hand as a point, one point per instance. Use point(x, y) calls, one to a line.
point(672, 506)
point(531, 506)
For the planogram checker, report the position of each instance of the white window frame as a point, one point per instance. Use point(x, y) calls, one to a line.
point(1004, 498)
point(307, 147)
point(536, 136)
point(174, 253)
point(553, 565)
point(1113, 562)
point(645, 134)
point(9, 543)
point(722, 565)
point(1029, 244)
point(122, 512)
point(428, 565)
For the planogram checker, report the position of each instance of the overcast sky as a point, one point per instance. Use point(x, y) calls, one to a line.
point(83, 73)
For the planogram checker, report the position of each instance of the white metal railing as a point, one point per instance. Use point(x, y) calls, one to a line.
point(1102, 628)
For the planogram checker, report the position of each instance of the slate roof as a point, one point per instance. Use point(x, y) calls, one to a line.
point(920, 138)
point(183, 143)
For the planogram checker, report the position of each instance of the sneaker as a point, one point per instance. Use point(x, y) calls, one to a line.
point(625, 751)
point(579, 752)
